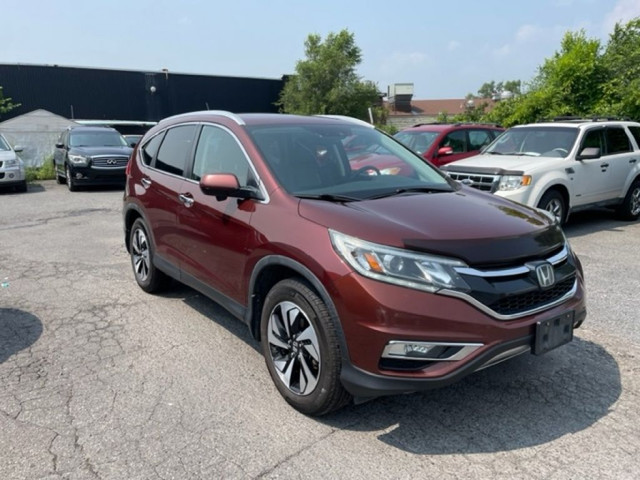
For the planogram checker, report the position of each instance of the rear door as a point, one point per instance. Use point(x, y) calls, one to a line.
point(166, 156)
point(620, 158)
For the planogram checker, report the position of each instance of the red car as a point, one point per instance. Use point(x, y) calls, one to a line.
point(446, 143)
point(355, 282)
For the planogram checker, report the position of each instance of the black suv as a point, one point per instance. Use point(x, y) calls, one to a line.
point(91, 156)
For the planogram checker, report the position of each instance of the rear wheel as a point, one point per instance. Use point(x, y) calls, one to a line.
point(149, 278)
point(553, 202)
point(300, 346)
point(630, 207)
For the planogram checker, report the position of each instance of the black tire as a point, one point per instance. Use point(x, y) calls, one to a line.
point(22, 187)
point(71, 183)
point(148, 277)
point(553, 202)
point(300, 346)
point(629, 209)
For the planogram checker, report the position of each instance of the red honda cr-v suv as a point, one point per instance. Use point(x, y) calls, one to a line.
point(356, 282)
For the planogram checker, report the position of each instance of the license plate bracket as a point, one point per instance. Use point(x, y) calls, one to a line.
point(554, 332)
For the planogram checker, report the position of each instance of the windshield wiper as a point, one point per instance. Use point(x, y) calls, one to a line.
point(327, 197)
point(400, 191)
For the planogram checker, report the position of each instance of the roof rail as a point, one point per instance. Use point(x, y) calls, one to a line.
point(348, 119)
point(588, 118)
point(458, 124)
point(222, 113)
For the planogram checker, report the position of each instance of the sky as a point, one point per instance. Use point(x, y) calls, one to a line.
point(447, 49)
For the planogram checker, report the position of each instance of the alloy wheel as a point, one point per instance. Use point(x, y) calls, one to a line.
point(140, 254)
point(634, 204)
point(294, 348)
point(556, 208)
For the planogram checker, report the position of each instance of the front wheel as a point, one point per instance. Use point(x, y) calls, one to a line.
point(629, 209)
point(301, 350)
point(71, 183)
point(553, 203)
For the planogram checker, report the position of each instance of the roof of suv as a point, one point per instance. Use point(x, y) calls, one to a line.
point(82, 128)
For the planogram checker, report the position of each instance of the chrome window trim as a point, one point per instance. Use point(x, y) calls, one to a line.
point(508, 272)
point(480, 306)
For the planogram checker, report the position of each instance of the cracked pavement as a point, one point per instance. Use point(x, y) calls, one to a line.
point(103, 381)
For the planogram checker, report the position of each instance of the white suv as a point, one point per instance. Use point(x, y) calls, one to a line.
point(561, 166)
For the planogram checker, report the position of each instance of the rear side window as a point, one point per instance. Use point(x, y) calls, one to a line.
point(177, 144)
point(150, 149)
point(617, 140)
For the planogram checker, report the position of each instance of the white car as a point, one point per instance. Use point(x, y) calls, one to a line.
point(562, 166)
point(12, 171)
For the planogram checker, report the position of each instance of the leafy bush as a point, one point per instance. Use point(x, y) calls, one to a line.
point(45, 172)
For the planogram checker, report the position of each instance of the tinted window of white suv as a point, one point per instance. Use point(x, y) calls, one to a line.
point(617, 140)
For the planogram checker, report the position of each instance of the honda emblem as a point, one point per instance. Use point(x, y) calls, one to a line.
point(545, 274)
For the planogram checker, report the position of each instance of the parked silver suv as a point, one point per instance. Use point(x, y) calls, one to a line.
point(561, 166)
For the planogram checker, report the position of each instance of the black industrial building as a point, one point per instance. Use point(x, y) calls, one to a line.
point(97, 94)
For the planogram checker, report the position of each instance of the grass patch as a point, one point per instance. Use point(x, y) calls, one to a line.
point(45, 172)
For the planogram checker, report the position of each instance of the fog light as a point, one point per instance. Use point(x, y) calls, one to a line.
point(11, 175)
point(434, 351)
point(78, 176)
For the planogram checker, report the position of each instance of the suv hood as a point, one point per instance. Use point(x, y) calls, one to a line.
point(478, 228)
point(93, 151)
point(501, 164)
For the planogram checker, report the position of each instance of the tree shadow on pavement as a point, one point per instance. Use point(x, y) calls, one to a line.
point(519, 403)
point(18, 330)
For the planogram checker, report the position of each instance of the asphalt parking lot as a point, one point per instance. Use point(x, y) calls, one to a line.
point(101, 380)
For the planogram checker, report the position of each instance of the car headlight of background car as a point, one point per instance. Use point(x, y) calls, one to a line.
point(401, 267)
point(513, 182)
point(79, 160)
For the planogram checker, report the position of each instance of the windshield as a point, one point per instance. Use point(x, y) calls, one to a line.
point(4, 146)
point(535, 141)
point(417, 141)
point(97, 139)
point(319, 161)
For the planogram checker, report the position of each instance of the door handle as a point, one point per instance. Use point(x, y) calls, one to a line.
point(146, 183)
point(604, 165)
point(187, 201)
point(633, 160)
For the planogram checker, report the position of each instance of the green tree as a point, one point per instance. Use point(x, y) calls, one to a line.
point(492, 89)
point(326, 82)
point(621, 60)
point(5, 104)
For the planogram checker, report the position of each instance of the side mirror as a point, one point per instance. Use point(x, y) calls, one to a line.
point(59, 145)
point(445, 151)
point(589, 153)
point(223, 185)
point(18, 148)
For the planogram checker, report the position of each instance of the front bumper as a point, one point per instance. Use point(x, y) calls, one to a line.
point(95, 176)
point(11, 176)
point(375, 313)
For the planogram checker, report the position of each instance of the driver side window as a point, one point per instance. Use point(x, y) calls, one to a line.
point(219, 152)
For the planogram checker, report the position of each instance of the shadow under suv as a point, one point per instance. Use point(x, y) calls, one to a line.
point(356, 283)
point(91, 156)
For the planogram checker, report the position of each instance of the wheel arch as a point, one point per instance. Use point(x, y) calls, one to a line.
point(274, 268)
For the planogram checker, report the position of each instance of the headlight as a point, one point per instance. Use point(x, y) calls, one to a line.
point(401, 267)
point(513, 182)
point(79, 160)
point(11, 163)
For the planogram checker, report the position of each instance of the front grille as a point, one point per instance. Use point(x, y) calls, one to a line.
point(487, 183)
point(109, 162)
point(513, 291)
point(531, 300)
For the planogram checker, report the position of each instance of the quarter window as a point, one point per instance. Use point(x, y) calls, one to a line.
point(635, 131)
point(150, 149)
point(175, 147)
